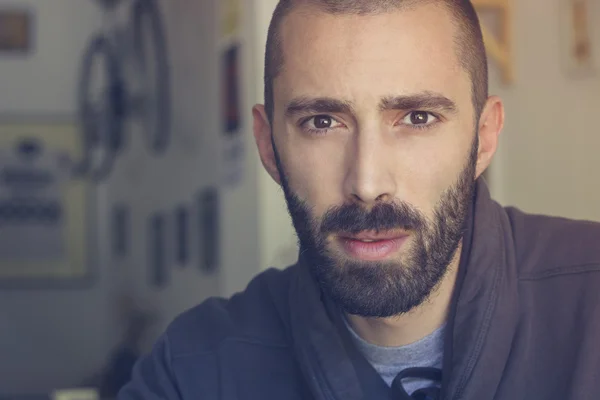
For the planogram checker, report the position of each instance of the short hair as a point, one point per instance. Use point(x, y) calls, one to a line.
point(469, 40)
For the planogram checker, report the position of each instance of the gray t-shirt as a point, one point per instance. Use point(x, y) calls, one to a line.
point(390, 361)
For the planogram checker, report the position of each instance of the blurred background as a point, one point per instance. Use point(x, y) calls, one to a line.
point(130, 188)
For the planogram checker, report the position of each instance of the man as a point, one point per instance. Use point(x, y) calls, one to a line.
point(411, 281)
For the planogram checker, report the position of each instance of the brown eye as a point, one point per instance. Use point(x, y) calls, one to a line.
point(323, 122)
point(419, 117)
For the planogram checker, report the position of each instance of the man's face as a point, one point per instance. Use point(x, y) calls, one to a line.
point(375, 138)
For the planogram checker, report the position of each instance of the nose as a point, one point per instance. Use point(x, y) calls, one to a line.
point(370, 177)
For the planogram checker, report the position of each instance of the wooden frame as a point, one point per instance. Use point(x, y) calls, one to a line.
point(499, 48)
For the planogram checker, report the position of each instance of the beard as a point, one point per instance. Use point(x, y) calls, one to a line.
point(391, 287)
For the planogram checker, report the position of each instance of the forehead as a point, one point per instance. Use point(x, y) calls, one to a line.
point(355, 57)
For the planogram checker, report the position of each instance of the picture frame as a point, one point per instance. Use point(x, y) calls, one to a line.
point(55, 248)
point(121, 230)
point(231, 94)
point(498, 45)
point(578, 58)
point(209, 230)
point(157, 251)
point(182, 235)
point(16, 28)
point(231, 17)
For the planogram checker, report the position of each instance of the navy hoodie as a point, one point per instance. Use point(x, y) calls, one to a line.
point(524, 324)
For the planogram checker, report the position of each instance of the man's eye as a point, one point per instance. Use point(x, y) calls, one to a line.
point(419, 118)
point(321, 123)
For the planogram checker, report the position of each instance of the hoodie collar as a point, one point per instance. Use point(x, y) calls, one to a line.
point(484, 309)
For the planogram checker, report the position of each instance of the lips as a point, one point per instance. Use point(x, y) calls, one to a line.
point(374, 236)
point(372, 246)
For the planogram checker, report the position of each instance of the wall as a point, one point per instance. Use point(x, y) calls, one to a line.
point(278, 238)
point(43, 81)
point(241, 241)
point(78, 327)
point(52, 338)
point(150, 184)
point(548, 158)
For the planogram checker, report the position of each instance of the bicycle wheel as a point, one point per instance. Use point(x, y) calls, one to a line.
point(150, 51)
point(100, 108)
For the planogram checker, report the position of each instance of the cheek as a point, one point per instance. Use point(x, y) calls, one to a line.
point(315, 172)
point(434, 168)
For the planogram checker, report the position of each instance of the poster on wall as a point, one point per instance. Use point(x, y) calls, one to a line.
point(231, 17)
point(44, 234)
point(577, 53)
point(15, 30)
point(233, 151)
point(497, 29)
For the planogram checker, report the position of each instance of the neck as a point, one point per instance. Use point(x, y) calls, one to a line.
point(404, 329)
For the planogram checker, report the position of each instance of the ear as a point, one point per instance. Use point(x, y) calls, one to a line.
point(491, 122)
point(262, 135)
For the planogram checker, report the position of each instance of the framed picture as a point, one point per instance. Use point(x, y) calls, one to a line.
point(209, 229)
point(577, 47)
point(121, 225)
point(233, 149)
point(157, 251)
point(231, 17)
point(182, 227)
point(15, 30)
point(47, 218)
point(231, 90)
point(498, 42)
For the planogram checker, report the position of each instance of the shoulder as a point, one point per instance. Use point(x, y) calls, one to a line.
point(258, 315)
point(548, 246)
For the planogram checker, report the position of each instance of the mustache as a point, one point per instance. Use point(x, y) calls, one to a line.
point(352, 218)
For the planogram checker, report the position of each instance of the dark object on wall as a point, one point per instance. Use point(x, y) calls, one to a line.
point(231, 90)
point(153, 67)
point(182, 235)
point(121, 224)
point(15, 30)
point(157, 251)
point(144, 96)
point(100, 115)
point(208, 213)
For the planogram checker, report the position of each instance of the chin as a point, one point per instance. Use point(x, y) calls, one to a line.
point(377, 289)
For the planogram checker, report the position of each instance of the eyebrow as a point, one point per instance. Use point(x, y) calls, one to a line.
point(420, 101)
point(325, 105)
